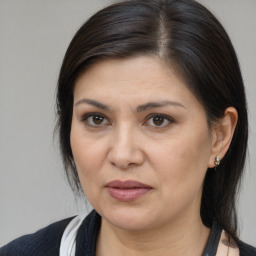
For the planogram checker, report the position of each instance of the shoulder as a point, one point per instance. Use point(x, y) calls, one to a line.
point(44, 242)
point(246, 249)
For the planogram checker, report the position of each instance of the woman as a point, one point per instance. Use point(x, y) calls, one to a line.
point(153, 128)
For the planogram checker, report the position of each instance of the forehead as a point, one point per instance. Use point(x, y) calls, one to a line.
point(133, 81)
point(137, 72)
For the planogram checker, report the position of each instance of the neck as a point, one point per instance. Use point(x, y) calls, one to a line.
point(181, 237)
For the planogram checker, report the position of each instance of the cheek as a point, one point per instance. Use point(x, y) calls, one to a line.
point(182, 163)
point(88, 156)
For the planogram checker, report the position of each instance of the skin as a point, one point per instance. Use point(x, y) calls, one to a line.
point(127, 143)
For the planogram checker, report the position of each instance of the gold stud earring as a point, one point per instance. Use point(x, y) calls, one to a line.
point(217, 161)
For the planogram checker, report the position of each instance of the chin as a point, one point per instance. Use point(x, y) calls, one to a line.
point(130, 218)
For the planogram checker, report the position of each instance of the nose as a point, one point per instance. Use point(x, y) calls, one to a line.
point(125, 149)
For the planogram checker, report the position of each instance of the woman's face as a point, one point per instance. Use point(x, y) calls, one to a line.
point(141, 143)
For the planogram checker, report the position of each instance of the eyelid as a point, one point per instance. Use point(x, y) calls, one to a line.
point(166, 117)
point(161, 115)
point(91, 114)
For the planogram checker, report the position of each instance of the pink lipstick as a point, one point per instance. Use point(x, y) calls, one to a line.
point(127, 191)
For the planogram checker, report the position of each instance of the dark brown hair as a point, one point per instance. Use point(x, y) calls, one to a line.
point(187, 36)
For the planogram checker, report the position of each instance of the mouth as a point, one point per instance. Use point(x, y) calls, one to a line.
point(127, 191)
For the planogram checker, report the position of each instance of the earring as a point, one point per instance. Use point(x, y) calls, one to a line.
point(217, 161)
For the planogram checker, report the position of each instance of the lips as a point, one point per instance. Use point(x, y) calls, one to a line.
point(127, 191)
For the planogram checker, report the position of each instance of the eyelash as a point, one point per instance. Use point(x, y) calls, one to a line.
point(165, 118)
point(89, 115)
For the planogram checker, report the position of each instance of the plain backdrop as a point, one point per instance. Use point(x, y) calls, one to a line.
point(34, 36)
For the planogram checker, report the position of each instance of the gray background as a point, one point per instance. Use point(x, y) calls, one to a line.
point(34, 36)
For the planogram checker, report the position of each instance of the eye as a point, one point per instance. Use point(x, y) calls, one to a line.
point(159, 120)
point(95, 119)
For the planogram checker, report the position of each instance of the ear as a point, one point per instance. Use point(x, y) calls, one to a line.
point(222, 134)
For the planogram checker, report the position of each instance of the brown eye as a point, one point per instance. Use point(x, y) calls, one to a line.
point(97, 119)
point(159, 120)
point(94, 120)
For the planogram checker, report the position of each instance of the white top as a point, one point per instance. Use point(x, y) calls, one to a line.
point(68, 240)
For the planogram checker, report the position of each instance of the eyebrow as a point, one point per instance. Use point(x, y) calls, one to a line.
point(92, 102)
point(151, 105)
point(140, 108)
